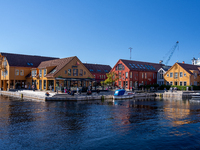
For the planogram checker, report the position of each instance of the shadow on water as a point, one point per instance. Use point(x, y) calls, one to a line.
point(144, 123)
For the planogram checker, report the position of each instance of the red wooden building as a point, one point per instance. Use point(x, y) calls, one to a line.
point(99, 71)
point(135, 73)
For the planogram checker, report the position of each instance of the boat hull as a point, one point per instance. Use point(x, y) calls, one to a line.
point(122, 97)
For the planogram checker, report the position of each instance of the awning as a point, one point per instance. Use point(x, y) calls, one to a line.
point(76, 79)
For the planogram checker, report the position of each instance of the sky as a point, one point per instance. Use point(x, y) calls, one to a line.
point(101, 31)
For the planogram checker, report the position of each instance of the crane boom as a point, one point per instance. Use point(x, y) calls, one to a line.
point(173, 49)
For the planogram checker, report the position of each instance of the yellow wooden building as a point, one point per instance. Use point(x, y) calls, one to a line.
point(15, 68)
point(61, 74)
point(181, 74)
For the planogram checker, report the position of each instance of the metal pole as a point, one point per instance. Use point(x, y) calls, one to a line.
point(130, 51)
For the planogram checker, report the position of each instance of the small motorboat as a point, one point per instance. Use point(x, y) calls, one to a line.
point(195, 97)
point(122, 94)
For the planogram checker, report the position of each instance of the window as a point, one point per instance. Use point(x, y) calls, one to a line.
point(175, 83)
point(185, 83)
point(131, 84)
point(75, 72)
point(120, 67)
point(81, 72)
point(195, 75)
point(104, 76)
point(116, 68)
point(40, 73)
point(65, 71)
point(167, 83)
point(17, 72)
point(161, 74)
point(195, 83)
point(171, 75)
point(126, 74)
point(126, 84)
point(185, 74)
point(130, 74)
point(181, 74)
point(142, 75)
point(119, 75)
point(21, 72)
point(171, 83)
point(123, 67)
point(119, 83)
point(153, 75)
point(45, 83)
point(175, 75)
point(69, 72)
point(45, 72)
point(84, 73)
point(94, 75)
point(33, 73)
point(167, 75)
point(145, 75)
point(106, 71)
point(181, 83)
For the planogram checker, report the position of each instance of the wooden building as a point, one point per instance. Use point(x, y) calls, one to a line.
point(15, 67)
point(61, 73)
point(182, 74)
point(135, 73)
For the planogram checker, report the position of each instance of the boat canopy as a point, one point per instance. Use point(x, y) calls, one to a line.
point(119, 92)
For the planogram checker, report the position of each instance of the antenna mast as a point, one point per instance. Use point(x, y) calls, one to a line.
point(130, 51)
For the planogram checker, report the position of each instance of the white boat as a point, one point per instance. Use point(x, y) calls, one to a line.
point(122, 94)
point(195, 97)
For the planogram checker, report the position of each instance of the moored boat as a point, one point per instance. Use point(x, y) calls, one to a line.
point(122, 94)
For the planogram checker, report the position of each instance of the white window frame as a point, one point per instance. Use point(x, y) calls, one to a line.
point(181, 74)
point(17, 72)
point(40, 72)
point(171, 74)
point(21, 72)
point(45, 72)
point(176, 75)
point(126, 74)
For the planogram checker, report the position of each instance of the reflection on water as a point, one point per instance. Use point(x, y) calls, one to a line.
point(139, 123)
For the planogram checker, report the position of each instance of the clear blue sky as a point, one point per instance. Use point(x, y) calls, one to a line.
point(101, 31)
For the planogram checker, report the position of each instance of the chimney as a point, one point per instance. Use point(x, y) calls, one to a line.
point(183, 62)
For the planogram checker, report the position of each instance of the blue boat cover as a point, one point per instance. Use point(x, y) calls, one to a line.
point(119, 92)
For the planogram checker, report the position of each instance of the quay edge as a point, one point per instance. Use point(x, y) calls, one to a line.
point(67, 98)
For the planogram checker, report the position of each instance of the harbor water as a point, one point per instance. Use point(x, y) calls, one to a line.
point(121, 124)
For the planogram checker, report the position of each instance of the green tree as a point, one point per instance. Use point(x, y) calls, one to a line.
point(111, 78)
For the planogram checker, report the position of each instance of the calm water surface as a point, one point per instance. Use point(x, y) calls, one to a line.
point(130, 124)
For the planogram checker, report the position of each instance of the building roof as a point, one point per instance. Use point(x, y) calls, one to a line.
point(97, 68)
point(142, 66)
point(20, 60)
point(57, 63)
point(188, 67)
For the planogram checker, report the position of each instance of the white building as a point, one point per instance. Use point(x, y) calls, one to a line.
point(161, 72)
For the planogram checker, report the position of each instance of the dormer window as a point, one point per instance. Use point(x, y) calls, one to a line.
point(98, 70)
point(91, 70)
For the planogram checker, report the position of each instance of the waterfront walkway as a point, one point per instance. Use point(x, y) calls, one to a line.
point(54, 96)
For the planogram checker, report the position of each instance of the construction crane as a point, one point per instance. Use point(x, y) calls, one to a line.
point(171, 53)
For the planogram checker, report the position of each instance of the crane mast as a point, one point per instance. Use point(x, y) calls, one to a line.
point(171, 53)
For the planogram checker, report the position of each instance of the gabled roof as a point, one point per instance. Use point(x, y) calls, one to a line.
point(142, 66)
point(97, 68)
point(188, 67)
point(57, 63)
point(20, 60)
